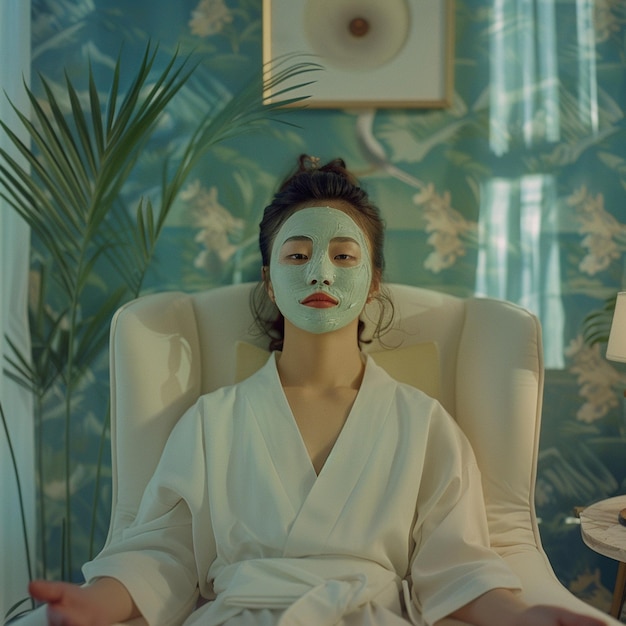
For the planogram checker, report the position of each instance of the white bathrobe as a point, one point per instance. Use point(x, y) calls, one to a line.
point(391, 531)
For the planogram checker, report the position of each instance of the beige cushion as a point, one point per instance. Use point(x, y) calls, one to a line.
point(416, 365)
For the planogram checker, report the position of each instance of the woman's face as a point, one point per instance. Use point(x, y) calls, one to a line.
point(320, 269)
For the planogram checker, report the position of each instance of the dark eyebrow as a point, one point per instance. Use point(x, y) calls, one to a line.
point(297, 238)
point(345, 239)
point(333, 240)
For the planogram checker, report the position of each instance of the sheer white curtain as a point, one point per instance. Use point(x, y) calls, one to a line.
point(14, 253)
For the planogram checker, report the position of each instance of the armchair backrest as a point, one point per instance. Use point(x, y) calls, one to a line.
point(168, 348)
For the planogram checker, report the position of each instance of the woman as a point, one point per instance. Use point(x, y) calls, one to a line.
point(319, 491)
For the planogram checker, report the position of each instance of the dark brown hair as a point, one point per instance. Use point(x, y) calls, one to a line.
point(309, 185)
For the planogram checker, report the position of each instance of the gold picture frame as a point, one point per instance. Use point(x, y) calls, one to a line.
point(374, 54)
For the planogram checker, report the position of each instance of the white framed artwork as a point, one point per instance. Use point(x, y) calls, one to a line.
point(372, 53)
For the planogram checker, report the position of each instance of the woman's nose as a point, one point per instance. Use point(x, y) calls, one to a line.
point(321, 271)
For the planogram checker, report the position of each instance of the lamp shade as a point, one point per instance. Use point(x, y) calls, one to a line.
point(616, 348)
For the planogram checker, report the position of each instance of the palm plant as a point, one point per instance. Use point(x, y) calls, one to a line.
point(596, 326)
point(68, 187)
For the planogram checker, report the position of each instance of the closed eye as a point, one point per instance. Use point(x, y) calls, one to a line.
point(297, 256)
point(345, 252)
point(296, 251)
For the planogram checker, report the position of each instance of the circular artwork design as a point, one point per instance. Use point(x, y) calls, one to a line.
point(356, 35)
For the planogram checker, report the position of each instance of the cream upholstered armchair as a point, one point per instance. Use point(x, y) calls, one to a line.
point(481, 358)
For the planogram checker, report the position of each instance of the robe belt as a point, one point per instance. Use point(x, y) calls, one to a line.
point(326, 588)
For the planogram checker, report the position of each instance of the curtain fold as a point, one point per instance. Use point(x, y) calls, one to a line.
point(15, 44)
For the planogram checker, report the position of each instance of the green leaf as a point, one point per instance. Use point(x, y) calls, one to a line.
point(94, 331)
point(96, 113)
point(596, 326)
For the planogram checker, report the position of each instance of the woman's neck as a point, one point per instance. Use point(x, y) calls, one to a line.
point(327, 360)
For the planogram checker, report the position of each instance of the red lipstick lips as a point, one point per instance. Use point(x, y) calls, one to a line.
point(319, 300)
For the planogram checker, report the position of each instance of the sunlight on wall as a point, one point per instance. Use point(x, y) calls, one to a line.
point(518, 252)
point(587, 79)
point(517, 224)
point(548, 75)
point(524, 94)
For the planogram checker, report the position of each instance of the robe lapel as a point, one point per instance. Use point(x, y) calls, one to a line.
point(282, 439)
point(331, 489)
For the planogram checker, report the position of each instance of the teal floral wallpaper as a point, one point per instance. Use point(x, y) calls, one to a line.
point(516, 191)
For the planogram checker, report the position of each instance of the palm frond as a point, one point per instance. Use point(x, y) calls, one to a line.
point(93, 332)
point(96, 113)
point(596, 326)
point(59, 144)
point(20, 369)
point(245, 112)
point(20, 496)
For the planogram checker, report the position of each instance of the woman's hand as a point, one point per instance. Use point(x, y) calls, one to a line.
point(105, 602)
point(68, 604)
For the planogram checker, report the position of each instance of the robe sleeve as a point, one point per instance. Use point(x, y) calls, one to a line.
point(156, 557)
point(452, 563)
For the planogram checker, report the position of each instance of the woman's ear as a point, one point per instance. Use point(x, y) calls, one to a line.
point(267, 283)
point(375, 286)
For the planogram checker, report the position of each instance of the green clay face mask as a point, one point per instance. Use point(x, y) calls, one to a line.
point(320, 269)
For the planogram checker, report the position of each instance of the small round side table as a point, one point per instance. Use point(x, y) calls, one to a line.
point(604, 534)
